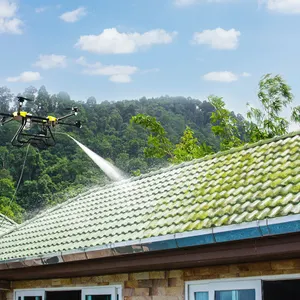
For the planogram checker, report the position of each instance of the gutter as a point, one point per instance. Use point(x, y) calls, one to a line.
point(216, 235)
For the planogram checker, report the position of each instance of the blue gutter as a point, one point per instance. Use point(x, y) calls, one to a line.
point(251, 230)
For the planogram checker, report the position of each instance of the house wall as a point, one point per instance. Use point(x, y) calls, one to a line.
point(165, 285)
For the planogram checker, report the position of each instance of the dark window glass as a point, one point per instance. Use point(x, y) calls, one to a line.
point(281, 290)
point(98, 297)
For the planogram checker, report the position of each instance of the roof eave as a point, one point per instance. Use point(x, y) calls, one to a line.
point(239, 232)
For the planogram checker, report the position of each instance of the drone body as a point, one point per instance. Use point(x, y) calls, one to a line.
point(43, 138)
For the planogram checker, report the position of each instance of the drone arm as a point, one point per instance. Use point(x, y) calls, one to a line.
point(66, 116)
point(64, 123)
point(4, 121)
point(76, 124)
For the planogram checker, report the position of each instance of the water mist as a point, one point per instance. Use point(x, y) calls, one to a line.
point(110, 170)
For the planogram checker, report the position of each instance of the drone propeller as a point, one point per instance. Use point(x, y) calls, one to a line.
point(22, 99)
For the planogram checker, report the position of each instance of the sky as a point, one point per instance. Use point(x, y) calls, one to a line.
point(117, 49)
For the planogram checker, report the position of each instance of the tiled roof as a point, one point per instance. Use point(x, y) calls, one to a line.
point(6, 224)
point(256, 182)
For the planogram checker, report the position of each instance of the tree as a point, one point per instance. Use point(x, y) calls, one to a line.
point(3, 157)
point(274, 95)
point(159, 146)
point(29, 93)
point(296, 114)
point(7, 187)
point(8, 205)
point(91, 101)
point(224, 124)
point(42, 101)
point(63, 97)
point(10, 209)
point(6, 97)
point(189, 148)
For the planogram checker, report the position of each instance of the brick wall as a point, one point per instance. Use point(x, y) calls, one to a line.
point(166, 285)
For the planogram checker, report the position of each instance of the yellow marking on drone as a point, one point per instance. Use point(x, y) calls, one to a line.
point(22, 114)
point(51, 119)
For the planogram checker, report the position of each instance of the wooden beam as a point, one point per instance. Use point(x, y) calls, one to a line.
point(4, 285)
point(267, 248)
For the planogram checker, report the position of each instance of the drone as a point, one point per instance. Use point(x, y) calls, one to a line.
point(39, 136)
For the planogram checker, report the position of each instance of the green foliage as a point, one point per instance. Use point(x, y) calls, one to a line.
point(189, 148)
point(11, 209)
point(7, 187)
point(224, 124)
point(296, 114)
point(159, 145)
point(274, 95)
point(7, 206)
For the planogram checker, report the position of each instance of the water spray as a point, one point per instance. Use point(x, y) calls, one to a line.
point(109, 169)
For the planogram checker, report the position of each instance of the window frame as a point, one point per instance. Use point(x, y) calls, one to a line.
point(224, 285)
point(96, 291)
point(30, 293)
point(117, 291)
point(261, 278)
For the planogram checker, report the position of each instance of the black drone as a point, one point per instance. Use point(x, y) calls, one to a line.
point(27, 133)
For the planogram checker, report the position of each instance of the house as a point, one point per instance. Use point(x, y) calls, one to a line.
point(224, 227)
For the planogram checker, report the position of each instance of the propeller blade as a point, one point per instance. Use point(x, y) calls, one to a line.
point(21, 98)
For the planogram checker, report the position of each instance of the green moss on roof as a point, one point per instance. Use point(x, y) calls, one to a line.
point(251, 183)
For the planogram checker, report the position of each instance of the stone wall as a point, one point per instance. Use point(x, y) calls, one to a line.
point(166, 285)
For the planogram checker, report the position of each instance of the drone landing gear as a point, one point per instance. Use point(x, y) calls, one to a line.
point(42, 140)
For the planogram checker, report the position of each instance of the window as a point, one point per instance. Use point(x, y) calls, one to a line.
point(30, 295)
point(225, 290)
point(100, 294)
point(90, 293)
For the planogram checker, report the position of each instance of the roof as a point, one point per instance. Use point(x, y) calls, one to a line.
point(256, 182)
point(6, 224)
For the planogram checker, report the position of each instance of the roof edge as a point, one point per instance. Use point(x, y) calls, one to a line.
point(12, 222)
point(229, 233)
point(8, 219)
